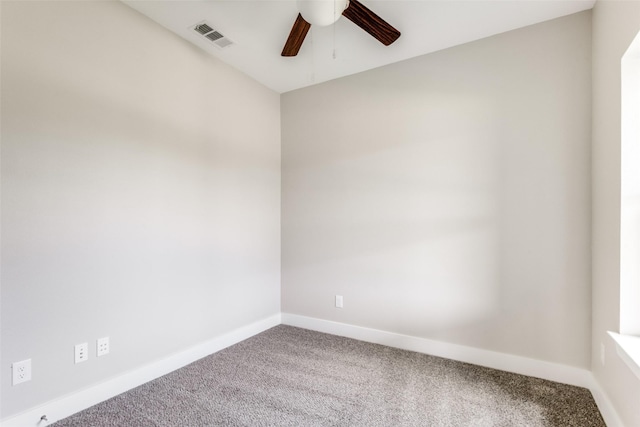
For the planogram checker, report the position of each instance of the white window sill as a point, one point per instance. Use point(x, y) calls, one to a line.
point(628, 348)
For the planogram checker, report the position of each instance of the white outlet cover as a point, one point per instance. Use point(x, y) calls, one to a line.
point(21, 371)
point(339, 301)
point(102, 346)
point(81, 352)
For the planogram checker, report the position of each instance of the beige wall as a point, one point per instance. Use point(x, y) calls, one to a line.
point(615, 24)
point(448, 196)
point(140, 195)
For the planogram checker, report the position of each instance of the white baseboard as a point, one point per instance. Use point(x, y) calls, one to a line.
point(65, 406)
point(491, 359)
point(611, 417)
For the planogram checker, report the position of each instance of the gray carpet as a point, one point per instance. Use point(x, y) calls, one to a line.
point(289, 376)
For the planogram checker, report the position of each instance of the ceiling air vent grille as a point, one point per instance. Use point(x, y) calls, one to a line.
point(216, 37)
point(203, 29)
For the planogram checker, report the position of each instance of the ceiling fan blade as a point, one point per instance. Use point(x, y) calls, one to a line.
point(296, 37)
point(364, 18)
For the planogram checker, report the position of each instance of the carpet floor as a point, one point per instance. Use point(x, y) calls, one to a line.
point(288, 376)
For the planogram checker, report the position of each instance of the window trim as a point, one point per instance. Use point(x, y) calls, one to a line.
point(628, 348)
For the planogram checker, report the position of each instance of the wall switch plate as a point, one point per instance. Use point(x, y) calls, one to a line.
point(102, 346)
point(82, 352)
point(339, 301)
point(21, 371)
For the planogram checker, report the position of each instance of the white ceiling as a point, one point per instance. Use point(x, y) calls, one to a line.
point(259, 29)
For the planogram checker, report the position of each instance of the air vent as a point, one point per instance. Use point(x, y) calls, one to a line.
point(216, 37)
point(203, 29)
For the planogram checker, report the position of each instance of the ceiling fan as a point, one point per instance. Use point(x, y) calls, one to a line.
point(326, 12)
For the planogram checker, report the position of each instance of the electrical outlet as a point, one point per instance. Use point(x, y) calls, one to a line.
point(602, 353)
point(102, 346)
point(339, 301)
point(82, 352)
point(21, 371)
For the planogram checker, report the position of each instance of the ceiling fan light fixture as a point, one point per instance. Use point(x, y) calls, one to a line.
point(326, 12)
point(321, 12)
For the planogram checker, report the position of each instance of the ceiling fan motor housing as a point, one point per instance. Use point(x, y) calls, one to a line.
point(321, 12)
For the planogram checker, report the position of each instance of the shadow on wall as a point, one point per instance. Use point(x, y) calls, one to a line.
point(456, 216)
point(418, 217)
